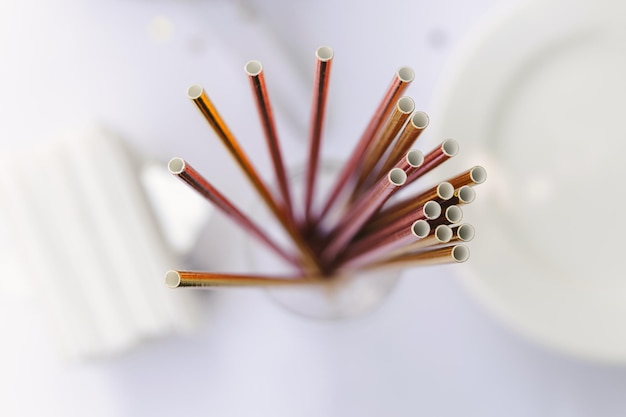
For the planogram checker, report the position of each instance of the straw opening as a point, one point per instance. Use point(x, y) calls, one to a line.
point(478, 174)
point(450, 147)
point(420, 120)
point(172, 279)
point(460, 253)
point(415, 158)
point(432, 210)
point(420, 229)
point(397, 176)
point(406, 105)
point(454, 214)
point(195, 91)
point(176, 165)
point(324, 53)
point(445, 190)
point(466, 232)
point(253, 68)
point(466, 194)
point(406, 74)
point(443, 233)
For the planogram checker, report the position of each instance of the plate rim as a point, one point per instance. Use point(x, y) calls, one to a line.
point(465, 54)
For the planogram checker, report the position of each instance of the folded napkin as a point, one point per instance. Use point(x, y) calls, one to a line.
point(88, 240)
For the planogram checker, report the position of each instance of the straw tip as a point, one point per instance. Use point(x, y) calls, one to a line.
point(176, 165)
point(195, 91)
point(324, 53)
point(466, 232)
point(420, 229)
point(478, 174)
point(450, 147)
point(406, 74)
point(397, 177)
point(172, 279)
point(454, 214)
point(253, 68)
point(460, 253)
point(432, 210)
point(443, 233)
point(466, 194)
point(405, 105)
point(415, 158)
point(420, 120)
point(445, 191)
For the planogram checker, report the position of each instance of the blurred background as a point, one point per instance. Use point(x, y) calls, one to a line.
point(97, 70)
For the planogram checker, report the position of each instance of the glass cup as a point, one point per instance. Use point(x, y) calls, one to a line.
point(339, 296)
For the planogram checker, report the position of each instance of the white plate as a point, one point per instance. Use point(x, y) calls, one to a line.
point(539, 99)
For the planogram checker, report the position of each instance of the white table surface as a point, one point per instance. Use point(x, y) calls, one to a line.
point(429, 350)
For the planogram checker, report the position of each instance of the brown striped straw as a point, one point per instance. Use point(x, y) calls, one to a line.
point(401, 112)
point(436, 157)
point(197, 94)
point(178, 279)
point(361, 211)
point(185, 172)
point(441, 192)
point(370, 250)
point(473, 176)
point(324, 59)
point(254, 70)
point(443, 255)
point(411, 132)
point(401, 80)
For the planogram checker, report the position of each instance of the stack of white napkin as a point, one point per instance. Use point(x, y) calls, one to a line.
point(89, 243)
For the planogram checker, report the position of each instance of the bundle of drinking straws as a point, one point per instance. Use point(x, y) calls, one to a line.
point(359, 226)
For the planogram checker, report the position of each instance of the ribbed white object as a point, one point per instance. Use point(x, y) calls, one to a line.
point(89, 242)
